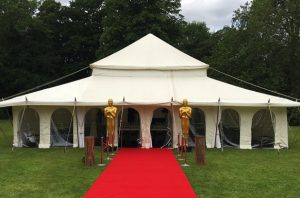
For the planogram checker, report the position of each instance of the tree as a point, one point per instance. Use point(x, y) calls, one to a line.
point(262, 46)
point(195, 40)
point(81, 32)
point(15, 22)
point(127, 21)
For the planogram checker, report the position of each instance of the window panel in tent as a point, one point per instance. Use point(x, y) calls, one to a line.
point(130, 128)
point(161, 125)
point(61, 128)
point(230, 128)
point(94, 125)
point(29, 122)
point(197, 125)
point(262, 129)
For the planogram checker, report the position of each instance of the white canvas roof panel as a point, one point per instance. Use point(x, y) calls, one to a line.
point(149, 52)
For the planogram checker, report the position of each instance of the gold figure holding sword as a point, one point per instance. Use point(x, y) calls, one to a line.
point(110, 113)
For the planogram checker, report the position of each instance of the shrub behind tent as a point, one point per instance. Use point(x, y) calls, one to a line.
point(61, 128)
point(161, 128)
point(197, 125)
point(29, 132)
point(230, 128)
point(130, 128)
point(94, 125)
point(262, 129)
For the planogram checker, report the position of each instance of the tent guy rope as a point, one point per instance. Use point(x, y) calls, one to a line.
point(45, 84)
point(251, 84)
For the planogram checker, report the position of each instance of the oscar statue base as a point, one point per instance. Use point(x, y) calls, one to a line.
point(185, 165)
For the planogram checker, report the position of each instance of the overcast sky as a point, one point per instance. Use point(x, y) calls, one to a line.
point(215, 13)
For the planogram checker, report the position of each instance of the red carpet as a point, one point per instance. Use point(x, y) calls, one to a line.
point(142, 173)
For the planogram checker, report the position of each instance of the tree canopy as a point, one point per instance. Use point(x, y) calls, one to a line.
point(41, 40)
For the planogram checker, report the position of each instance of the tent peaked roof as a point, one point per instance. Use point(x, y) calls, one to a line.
point(150, 53)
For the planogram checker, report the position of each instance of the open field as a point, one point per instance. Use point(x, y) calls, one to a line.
point(27, 172)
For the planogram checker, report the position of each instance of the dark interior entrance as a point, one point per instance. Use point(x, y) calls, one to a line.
point(95, 125)
point(161, 128)
point(130, 128)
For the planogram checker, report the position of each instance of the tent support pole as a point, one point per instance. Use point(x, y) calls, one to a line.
point(120, 125)
point(71, 122)
point(220, 127)
point(20, 123)
point(272, 120)
point(174, 123)
point(217, 123)
point(273, 124)
point(77, 128)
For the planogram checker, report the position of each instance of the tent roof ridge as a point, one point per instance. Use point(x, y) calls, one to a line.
point(149, 52)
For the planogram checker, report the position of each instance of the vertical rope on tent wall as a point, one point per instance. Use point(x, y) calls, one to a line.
point(120, 124)
point(71, 122)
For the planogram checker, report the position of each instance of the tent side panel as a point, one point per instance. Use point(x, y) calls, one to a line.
point(246, 115)
point(81, 111)
point(281, 128)
point(176, 125)
point(210, 122)
point(45, 113)
point(16, 111)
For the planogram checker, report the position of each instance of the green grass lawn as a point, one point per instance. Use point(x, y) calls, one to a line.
point(27, 172)
point(31, 172)
point(248, 173)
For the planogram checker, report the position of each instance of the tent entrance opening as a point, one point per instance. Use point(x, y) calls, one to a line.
point(130, 129)
point(161, 128)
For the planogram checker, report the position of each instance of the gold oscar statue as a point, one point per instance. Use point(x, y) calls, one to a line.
point(110, 113)
point(185, 113)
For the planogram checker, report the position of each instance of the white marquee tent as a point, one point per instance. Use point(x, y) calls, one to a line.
point(141, 78)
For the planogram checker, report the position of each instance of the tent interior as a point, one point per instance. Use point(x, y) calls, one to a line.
point(230, 128)
point(61, 128)
point(197, 125)
point(94, 125)
point(29, 132)
point(262, 129)
point(129, 128)
point(161, 128)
